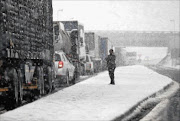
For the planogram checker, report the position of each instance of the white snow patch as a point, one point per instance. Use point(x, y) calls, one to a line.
point(169, 65)
point(157, 113)
point(83, 77)
point(94, 98)
point(168, 62)
point(148, 103)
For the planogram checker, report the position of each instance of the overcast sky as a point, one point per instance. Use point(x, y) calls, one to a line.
point(120, 15)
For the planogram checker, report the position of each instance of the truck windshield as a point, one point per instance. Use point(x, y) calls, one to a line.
point(57, 57)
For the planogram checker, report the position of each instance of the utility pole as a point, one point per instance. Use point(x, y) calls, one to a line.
point(173, 21)
point(173, 45)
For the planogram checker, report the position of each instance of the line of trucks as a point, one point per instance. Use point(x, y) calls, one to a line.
point(28, 41)
point(124, 57)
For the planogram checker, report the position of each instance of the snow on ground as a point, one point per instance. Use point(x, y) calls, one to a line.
point(173, 67)
point(168, 62)
point(83, 77)
point(94, 98)
point(161, 110)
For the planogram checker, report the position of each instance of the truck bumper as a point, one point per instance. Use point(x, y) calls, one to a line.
point(30, 87)
point(3, 95)
point(4, 89)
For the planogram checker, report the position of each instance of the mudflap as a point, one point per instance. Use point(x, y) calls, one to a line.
point(48, 82)
point(40, 79)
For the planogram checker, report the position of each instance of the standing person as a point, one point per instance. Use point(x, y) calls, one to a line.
point(111, 65)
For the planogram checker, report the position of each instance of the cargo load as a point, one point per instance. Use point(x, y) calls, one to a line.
point(92, 48)
point(26, 50)
point(26, 29)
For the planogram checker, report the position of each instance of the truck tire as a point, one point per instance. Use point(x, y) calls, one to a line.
point(49, 79)
point(92, 72)
point(12, 98)
point(40, 79)
point(20, 81)
point(53, 78)
point(83, 72)
point(67, 78)
point(74, 79)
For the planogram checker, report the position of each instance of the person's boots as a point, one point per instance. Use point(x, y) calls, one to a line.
point(112, 81)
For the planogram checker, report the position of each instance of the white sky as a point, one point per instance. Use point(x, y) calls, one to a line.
point(120, 15)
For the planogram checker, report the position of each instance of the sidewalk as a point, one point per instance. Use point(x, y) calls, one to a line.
point(94, 98)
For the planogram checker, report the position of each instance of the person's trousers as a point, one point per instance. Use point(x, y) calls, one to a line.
point(111, 75)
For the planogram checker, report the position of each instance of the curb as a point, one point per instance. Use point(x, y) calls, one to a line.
point(141, 109)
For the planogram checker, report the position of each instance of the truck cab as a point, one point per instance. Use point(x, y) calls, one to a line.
point(131, 58)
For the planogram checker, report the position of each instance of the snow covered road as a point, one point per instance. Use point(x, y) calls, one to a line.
point(94, 98)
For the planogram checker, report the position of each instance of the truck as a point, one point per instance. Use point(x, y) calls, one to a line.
point(77, 51)
point(26, 50)
point(131, 58)
point(92, 41)
point(120, 53)
point(103, 50)
point(62, 42)
point(61, 38)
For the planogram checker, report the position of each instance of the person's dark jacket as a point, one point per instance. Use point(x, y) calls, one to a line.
point(111, 61)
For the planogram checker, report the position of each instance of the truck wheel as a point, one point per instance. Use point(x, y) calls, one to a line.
point(20, 81)
point(92, 72)
point(83, 70)
point(40, 80)
point(67, 78)
point(49, 79)
point(74, 79)
point(12, 98)
point(53, 79)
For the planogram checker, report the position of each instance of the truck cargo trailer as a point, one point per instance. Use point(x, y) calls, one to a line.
point(78, 52)
point(93, 43)
point(61, 38)
point(26, 49)
point(103, 46)
point(120, 53)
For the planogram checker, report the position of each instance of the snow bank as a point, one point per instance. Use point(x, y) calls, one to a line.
point(160, 112)
point(168, 62)
point(94, 98)
point(145, 106)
